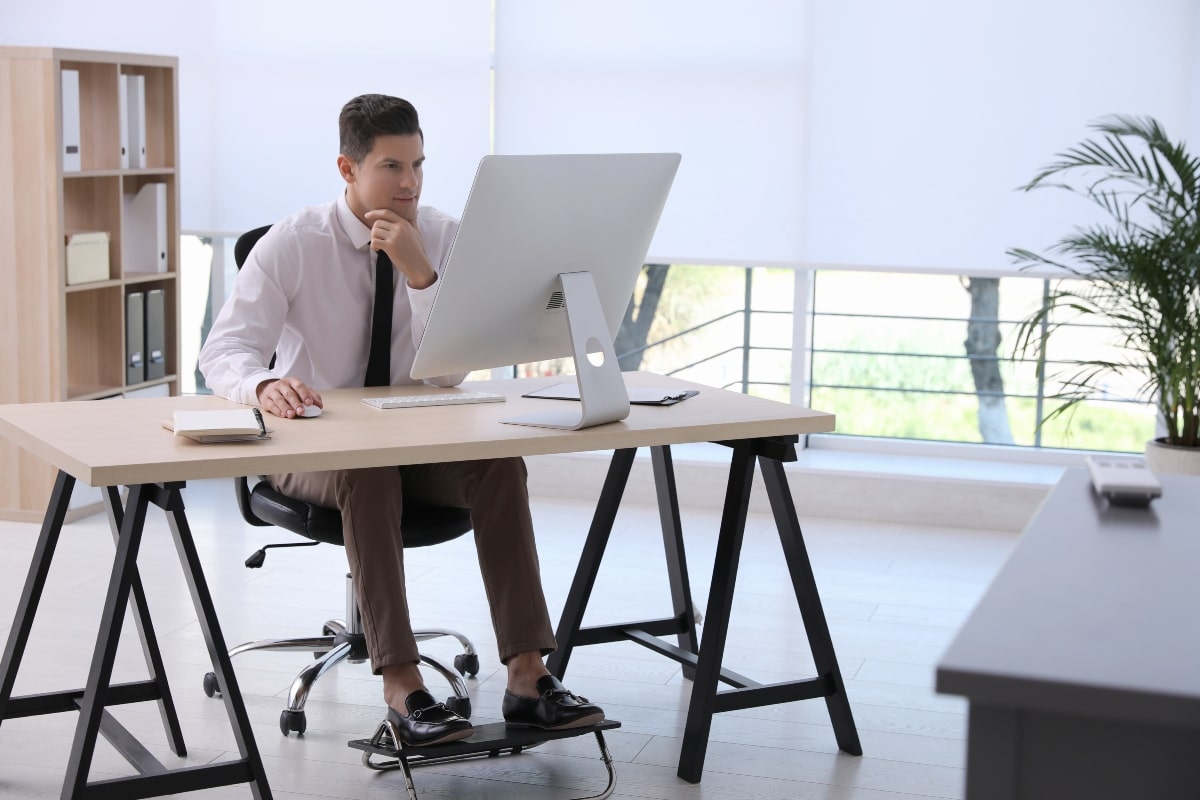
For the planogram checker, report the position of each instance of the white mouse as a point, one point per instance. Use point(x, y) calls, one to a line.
point(311, 411)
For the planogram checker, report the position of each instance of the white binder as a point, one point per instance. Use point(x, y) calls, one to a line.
point(144, 230)
point(135, 104)
point(71, 157)
point(123, 118)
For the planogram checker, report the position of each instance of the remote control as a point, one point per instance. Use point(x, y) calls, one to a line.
point(1123, 481)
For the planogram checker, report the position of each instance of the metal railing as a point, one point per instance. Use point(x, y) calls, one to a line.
point(1039, 395)
point(710, 346)
point(745, 347)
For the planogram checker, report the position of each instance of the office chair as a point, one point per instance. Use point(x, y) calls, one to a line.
point(423, 525)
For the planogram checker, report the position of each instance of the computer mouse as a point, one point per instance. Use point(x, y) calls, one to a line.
point(311, 411)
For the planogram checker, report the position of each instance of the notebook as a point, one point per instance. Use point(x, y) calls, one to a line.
point(219, 425)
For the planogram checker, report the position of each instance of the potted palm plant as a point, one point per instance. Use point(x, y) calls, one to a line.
point(1137, 272)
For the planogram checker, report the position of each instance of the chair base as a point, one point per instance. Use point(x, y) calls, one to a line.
point(345, 642)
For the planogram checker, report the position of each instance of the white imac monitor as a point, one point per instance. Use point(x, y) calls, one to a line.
point(543, 266)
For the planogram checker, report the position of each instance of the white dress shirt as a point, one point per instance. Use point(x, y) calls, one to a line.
point(306, 294)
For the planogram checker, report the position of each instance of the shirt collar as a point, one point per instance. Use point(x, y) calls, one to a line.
point(360, 234)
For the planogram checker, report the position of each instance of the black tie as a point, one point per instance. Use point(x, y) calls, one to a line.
point(379, 360)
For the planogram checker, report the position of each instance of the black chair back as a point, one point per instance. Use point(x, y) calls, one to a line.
point(245, 243)
point(263, 505)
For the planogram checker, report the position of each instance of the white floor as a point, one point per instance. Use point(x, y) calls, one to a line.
point(893, 594)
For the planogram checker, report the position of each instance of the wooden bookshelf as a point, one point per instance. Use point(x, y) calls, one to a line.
point(66, 342)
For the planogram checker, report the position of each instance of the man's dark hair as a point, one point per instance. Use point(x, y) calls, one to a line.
point(371, 115)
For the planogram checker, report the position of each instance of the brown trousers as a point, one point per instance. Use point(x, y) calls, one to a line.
point(371, 503)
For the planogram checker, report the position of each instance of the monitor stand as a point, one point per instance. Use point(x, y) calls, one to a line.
point(602, 395)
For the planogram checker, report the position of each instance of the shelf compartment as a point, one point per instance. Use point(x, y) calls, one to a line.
point(99, 121)
point(130, 185)
point(160, 114)
point(95, 340)
point(170, 289)
point(94, 204)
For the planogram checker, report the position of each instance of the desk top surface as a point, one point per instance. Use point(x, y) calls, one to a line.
point(113, 442)
point(1094, 613)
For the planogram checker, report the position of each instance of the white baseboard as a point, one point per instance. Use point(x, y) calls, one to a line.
point(875, 495)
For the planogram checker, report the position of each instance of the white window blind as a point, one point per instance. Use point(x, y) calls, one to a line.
point(282, 70)
point(722, 83)
point(926, 116)
point(851, 131)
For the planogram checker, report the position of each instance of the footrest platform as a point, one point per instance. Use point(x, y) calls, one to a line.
point(490, 740)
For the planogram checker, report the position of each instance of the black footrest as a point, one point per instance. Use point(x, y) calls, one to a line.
point(495, 737)
point(485, 741)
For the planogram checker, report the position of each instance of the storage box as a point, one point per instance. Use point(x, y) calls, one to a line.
point(87, 257)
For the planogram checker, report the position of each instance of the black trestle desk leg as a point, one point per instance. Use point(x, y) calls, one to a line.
point(218, 652)
point(589, 559)
point(672, 531)
point(145, 628)
point(39, 568)
point(716, 622)
point(107, 638)
point(809, 600)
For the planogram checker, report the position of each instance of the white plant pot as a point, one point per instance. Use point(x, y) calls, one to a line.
point(1171, 459)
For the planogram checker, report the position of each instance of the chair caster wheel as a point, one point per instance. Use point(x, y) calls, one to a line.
point(292, 721)
point(459, 705)
point(211, 687)
point(467, 664)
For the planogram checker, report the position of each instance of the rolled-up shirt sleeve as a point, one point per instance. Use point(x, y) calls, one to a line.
point(236, 355)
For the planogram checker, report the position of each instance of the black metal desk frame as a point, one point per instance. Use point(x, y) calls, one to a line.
point(92, 702)
point(701, 659)
point(703, 663)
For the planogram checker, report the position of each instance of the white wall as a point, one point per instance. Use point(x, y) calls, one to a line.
point(261, 83)
point(184, 30)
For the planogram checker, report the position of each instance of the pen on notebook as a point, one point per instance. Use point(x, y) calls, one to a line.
point(262, 426)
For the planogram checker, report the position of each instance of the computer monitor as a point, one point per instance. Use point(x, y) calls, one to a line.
point(543, 266)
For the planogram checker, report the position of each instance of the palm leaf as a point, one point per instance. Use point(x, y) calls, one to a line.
point(1139, 274)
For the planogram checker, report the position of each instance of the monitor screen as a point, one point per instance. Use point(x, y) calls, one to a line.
point(528, 220)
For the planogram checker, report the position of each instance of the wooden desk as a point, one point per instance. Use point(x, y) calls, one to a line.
point(113, 443)
point(1081, 661)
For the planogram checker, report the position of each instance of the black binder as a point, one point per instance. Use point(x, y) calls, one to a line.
point(156, 343)
point(135, 338)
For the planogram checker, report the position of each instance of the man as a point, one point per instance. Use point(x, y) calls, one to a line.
point(306, 293)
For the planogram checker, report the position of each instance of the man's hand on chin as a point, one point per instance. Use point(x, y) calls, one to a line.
point(401, 240)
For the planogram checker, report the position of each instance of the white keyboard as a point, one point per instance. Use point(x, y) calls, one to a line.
point(448, 399)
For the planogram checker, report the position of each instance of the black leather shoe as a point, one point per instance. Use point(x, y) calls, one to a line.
point(555, 708)
point(428, 722)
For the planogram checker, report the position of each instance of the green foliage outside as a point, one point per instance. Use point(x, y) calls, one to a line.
point(695, 295)
point(923, 300)
point(953, 418)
